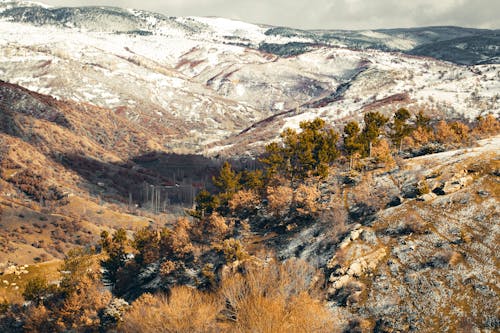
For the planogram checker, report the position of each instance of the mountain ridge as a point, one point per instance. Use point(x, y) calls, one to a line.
point(208, 79)
point(139, 21)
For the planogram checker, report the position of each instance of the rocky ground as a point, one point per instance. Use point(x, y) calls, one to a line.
point(415, 262)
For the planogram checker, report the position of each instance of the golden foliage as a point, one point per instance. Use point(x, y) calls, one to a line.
point(244, 200)
point(211, 228)
point(38, 319)
point(233, 250)
point(444, 133)
point(419, 137)
point(275, 298)
point(177, 241)
point(306, 199)
point(423, 187)
point(461, 130)
point(81, 308)
point(279, 199)
point(167, 267)
point(381, 151)
point(186, 310)
point(487, 126)
point(449, 133)
point(267, 298)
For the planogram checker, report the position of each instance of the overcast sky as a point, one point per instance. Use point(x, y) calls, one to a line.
point(324, 14)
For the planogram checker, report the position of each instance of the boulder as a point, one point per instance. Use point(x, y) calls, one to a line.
point(427, 197)
point(453, 185)
point(483, 193)
point(395, 201)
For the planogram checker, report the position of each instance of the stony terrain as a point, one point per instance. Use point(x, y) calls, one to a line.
point(421, 263)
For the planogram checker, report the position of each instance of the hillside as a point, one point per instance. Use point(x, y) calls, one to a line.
point(201, 174)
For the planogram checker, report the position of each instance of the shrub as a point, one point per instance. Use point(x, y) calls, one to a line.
point(176, 243)
point(76, 305)
point(487, 126)
point(185, 310)
point(420, 137)
point(39, 320)
point(211, 228)
point(244, 201)
point(461, 130)
point(306, 199)
point(423, 187)
point(167, 267)
point(233, 250)
point(381, 151)
point(274, 298)
point(81, 309)
point(279, 199)
point(455, 132)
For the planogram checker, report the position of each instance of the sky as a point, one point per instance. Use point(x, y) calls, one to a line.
point(324, 14)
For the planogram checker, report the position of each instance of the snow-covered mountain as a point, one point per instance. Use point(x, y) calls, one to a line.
point(193, 81)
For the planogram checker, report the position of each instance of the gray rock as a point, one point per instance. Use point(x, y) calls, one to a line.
point(483, 193)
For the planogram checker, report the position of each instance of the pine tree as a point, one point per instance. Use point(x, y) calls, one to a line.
point(253, 180)
point(228, 183)
point(401, 128)
point(206, 204)
point(352, 144)
point(115, 248)
point(308, 153)
point(374, 121)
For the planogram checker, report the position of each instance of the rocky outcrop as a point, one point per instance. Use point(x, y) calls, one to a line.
point(427, 197)
point(453, 185)
point(345, 274)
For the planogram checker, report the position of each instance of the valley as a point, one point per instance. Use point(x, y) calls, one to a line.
point(244, 177)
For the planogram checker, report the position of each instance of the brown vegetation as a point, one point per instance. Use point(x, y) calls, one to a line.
point(279, 199)
point(265, 298)
point(186, 310)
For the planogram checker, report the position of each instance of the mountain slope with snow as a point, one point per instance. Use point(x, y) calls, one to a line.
point(193, 81)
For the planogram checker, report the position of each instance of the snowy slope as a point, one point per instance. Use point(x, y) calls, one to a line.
point(206, 80)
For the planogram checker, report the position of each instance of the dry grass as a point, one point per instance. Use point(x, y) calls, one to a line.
point(275, 298)
point(186, 310)
point(265, 298)
point(306, 198)
point(9, 292)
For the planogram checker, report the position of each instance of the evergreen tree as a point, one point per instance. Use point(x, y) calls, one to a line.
point(115, 248)
point(308, 153)
point(228, 183)
point(206, 204)
point(400, 127)
point(253, 180)
point(274, 159)
point(352, 144)
point(146, 242)
point(374, 121)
